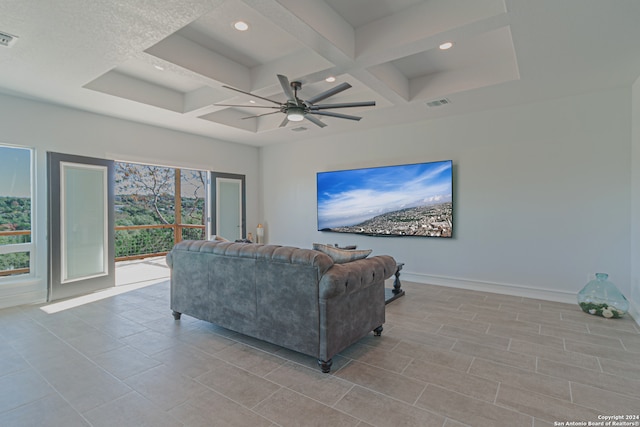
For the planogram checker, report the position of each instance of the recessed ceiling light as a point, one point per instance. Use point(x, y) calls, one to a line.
point(330, 79)
point(446, 45)
point(251, 101)
point(241, 26)
point(158, 67)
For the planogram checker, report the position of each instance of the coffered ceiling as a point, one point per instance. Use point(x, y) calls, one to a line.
point(166, 62)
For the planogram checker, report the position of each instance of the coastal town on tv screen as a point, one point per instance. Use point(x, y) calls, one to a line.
point(405, 200)
point(430, 221)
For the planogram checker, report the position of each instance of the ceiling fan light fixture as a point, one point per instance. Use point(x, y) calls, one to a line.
point(295, 114)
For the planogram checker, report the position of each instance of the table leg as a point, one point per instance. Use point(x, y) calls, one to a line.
point(397, 291)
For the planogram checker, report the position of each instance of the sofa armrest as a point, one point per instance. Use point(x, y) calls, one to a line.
point(343, 279)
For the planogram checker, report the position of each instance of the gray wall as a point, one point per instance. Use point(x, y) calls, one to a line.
point(541, 194)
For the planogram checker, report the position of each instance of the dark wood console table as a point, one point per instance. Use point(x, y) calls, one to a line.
point(396, 292)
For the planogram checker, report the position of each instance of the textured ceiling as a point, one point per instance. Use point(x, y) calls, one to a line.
point(103, 56)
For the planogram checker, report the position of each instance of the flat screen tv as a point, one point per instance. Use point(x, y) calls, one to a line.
point(403, 200)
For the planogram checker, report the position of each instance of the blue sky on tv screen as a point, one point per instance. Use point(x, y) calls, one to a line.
point(350, 197)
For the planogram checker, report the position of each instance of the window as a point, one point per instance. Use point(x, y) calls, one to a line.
point(16, 248)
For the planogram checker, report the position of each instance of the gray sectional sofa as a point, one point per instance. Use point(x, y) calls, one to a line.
point(295, 298)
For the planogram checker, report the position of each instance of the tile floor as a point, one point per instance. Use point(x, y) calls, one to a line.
point(447, 357)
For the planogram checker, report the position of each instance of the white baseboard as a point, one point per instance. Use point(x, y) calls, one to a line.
point(497, 288)
point(504, 288)
point(32, 297)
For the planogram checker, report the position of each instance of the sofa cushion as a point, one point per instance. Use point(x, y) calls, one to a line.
point(341, 256)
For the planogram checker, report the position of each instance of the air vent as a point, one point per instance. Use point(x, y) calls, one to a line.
point(7, 40)
point(299, 129)
point(438, 102)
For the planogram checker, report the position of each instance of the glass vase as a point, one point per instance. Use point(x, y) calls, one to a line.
point(600, 297)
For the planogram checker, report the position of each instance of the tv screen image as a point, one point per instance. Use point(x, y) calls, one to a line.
point(403, 200)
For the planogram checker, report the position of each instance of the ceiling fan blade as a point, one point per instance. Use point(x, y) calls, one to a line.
point(284, 122)
point(314, 120)
point(260, 115)
point(245, 106)
point(338, 115)
point(344, 105)
point(251, 94)
point(286, 87)
point(328, 93)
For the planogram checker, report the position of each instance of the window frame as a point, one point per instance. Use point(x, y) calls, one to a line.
point(29, 247)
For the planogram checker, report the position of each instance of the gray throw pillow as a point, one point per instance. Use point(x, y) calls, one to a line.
point(341, 256)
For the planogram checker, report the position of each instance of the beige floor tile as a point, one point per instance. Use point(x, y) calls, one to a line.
point(596, 379)
point(396, 386)
point(556, 354)
point(452, 423)
point(586, 338)
point(553, 321)
point(206, 341)
point(11, 362)
point(404, 322)
point(626, 370)
point(510, 358)
point(327, 389)
point(50, 411)
point(473, 336)
point(164, 387)
point(20, 388)
point(390, 361)
point(466, 324)
point(471, 385)
point(492, 316)
point(130, 410)
point(632, 335)
point(464, 311)
point(534, 338)
point(288, 408)
point(83, 384)
point(446, 358)
point(470, 411)
point(125, 361)
point(212, 409)
point(424, 338)
point(603, 352)
point(256, 361)
point(382, 411)
point(605, 402)
point(310, 361)
point(625, 324)
point(543, 407)
point(95, 343)
point(537, 422)
point(188, 360)
point(238, 385)
point(521, 378)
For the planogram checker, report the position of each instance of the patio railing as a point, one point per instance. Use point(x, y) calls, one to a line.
point(131, 242)
point(14, 263)
point(144, 241)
